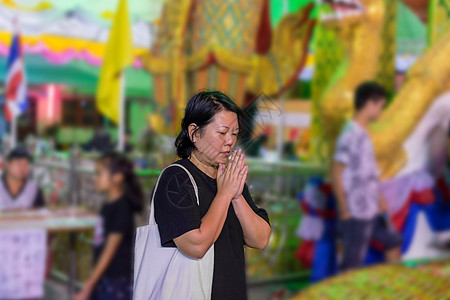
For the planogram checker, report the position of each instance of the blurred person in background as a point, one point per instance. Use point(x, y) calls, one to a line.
point(46, 141)
point(100, 142)
point(258, 147)
point(147, 140)
point(227, 216)
point(17, 190)
point(146, 149)
point(289, 152)
point(128, 144)
point(355, 178)
point(112, 275)
point(255, 146)
point(263, 141)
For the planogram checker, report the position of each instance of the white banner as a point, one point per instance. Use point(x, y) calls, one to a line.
point(22, 263)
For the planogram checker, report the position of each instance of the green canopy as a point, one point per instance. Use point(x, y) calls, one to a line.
point(79, 76)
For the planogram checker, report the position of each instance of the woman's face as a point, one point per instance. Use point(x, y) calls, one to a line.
point(104, 181)
point(102, 178)
point(18, 169)
point(217, 139)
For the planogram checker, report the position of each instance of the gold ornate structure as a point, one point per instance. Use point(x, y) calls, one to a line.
point(226, 46)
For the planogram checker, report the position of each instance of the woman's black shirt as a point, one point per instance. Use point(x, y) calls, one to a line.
point(176, 212)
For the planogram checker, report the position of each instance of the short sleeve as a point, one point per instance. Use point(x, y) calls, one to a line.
point(176, 209)
point(122, 218)
point(259, 211)
point(342, 152)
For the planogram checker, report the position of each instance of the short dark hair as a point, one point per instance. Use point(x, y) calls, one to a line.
point(19, 153)
point(368, 91)
point(201, 109)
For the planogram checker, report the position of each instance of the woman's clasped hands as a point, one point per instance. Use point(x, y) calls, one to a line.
point(231, 178)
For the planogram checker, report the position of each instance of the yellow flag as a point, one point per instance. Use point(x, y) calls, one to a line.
point(118, 55)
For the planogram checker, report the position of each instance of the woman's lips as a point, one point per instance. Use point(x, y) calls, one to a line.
point(226, 153)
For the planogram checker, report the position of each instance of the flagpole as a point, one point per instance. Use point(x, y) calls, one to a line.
point(13, 133)
point(121, 133)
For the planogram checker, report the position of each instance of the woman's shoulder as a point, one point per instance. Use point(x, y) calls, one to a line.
point(174, 173)
point(174, 168)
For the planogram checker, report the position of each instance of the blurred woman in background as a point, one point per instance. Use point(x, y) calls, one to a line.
point(111, 277)
point(17, 190)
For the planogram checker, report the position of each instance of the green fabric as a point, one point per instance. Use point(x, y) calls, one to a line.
point(79, 76)
point(411, 32)
point(277, 9)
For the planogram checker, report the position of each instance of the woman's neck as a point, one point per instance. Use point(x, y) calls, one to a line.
point(208, 169)
point(113, 194)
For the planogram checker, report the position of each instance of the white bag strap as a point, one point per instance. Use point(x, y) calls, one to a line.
point(151, 219)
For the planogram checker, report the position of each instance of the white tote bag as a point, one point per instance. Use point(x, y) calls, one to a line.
point(163, 273)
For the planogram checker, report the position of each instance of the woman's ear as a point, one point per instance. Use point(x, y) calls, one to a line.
point(192, 129)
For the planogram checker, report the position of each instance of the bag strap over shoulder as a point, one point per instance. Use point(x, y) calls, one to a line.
point(152, 206)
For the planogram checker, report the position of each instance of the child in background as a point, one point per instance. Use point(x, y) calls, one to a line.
point(17, 190)
point(111, 278)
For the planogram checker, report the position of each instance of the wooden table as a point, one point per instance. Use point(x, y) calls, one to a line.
point(70, 220)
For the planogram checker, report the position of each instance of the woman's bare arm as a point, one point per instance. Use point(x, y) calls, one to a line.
point(256, 229)
point(196, 243)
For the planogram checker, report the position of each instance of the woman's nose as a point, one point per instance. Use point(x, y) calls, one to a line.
point(229, 139)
